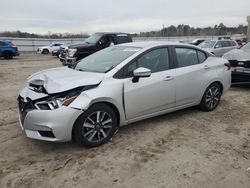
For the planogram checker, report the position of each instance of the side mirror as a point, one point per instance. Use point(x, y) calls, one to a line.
point(140, 73)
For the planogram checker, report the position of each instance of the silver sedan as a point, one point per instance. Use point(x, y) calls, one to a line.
point(117, 86)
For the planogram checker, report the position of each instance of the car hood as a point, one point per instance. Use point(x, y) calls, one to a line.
point(237, 54)
point(82, 45)
point(61, 79)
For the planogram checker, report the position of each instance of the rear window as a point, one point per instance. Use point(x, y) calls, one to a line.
point(186, 56)
point(123, 38)
point(232, 43)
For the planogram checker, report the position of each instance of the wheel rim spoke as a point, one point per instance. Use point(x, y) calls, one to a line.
point(99, 136)
point(102, 116)
point(106, 126)
point(91, 120)
point(88, 125)
point(103, 133)
point(107, 121)
point(87, 133)
point(98, 116)
point(92, 135)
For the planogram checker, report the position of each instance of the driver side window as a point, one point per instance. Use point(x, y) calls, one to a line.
point(156, 60)
point(218, 44)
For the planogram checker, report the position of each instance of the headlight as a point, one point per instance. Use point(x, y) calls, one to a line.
point(72, 52)
point(56, 102)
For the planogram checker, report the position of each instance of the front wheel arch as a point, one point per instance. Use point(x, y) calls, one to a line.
point(106, 103)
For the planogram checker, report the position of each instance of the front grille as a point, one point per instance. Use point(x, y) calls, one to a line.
point(24, 107)
point(236, 63)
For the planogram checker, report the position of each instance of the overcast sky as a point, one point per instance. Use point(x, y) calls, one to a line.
point(41, 16)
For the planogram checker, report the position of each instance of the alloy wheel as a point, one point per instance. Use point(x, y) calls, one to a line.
point(97, 126)
point(212, 97)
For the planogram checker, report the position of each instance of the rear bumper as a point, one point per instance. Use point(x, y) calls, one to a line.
point(240, 76)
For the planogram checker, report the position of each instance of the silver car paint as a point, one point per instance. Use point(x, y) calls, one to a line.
point(219, 52)
point(237, 54)
point(62, 79)
point(160, 93)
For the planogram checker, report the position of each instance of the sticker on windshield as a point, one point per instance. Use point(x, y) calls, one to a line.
point(131, 49)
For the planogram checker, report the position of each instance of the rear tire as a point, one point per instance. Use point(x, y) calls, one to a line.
point(95, 126)
point(8, 55)
point(211, 97)
point(45, 51)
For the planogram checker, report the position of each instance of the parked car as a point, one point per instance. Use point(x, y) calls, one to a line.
point(93, 44)
point(117, 86)
point(49, 49)
point(196, 42)
point(240, 62)
point(56, 52)
point(63, 51)
point(8, 50)
point(219, 47)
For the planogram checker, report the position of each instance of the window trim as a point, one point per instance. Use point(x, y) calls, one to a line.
point(121, 74)
point(189, 47)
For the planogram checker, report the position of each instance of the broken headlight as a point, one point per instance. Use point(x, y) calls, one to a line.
point(56, 101)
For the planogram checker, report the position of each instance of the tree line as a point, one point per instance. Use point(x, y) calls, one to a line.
point(186, 30)
point(180, 30)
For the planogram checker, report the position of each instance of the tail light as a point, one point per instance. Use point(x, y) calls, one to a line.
point(228, 65)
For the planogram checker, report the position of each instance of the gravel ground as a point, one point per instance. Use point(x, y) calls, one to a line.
point(188, 148)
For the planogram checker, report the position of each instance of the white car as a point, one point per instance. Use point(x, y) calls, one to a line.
point(49, 49)
point(117, 86)
point(219, 47)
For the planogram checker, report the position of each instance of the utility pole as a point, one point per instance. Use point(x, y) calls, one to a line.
point(248, 29)
point(163, 27)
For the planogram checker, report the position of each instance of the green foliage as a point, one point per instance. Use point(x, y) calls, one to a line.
point(20, 34)
point(186, 30)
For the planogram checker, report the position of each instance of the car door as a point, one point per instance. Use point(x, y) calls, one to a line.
point(151, 94)
point(191, 75)
point(219, 49)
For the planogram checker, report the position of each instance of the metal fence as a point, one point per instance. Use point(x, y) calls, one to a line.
point(31, 44)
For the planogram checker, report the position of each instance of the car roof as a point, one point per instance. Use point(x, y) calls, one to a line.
point(150, 44)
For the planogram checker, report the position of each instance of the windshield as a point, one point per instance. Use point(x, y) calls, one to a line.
point(105, 60)
point(207, 44)
point(93, 38)
point(246, 47)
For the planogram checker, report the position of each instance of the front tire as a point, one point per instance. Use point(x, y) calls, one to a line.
point(8, 55)
point(211, 97)
point(96, 125)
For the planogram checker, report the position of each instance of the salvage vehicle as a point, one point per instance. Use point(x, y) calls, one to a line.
point(8, 50)
point(49, 49)
point(219, 47)
point(117, 86)
point(240, 62)
point(94, 43)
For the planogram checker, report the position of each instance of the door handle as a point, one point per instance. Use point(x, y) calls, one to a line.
point(168, 78)
point(206, 67)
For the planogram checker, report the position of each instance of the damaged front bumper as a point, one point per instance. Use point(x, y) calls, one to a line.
point(49, 125)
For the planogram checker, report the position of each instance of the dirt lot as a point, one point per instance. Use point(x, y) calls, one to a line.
point(188, 148)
